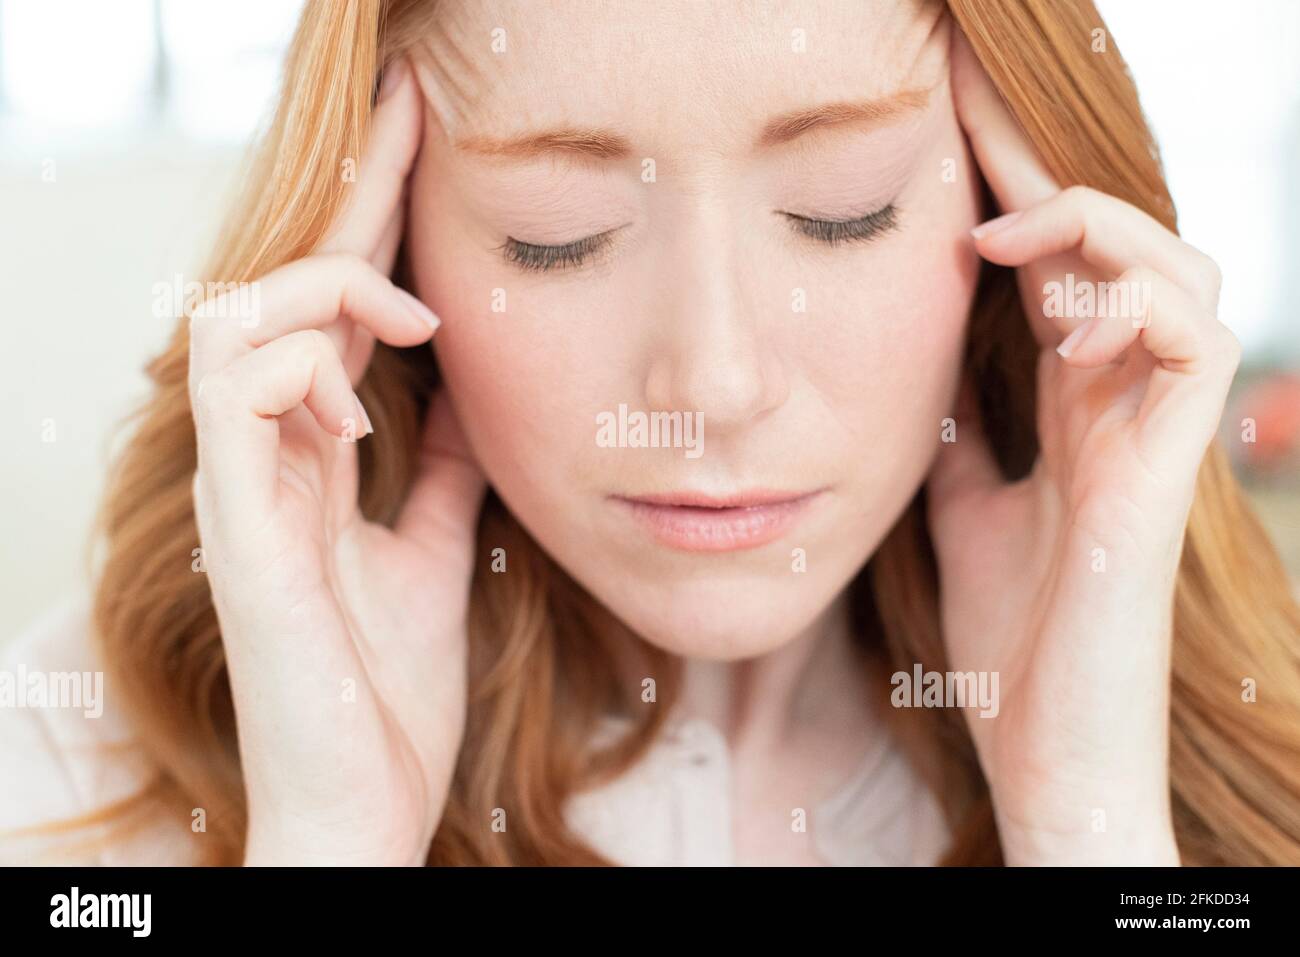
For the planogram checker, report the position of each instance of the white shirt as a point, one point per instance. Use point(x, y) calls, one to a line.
point(672, 808)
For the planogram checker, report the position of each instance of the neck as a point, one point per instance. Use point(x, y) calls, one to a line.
point(813, 681)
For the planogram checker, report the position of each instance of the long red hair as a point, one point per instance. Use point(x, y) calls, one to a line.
point(546, 661)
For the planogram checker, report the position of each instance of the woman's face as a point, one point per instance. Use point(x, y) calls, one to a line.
point(753, 223)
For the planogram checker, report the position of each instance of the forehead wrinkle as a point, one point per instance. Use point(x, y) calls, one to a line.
point(928, 64)
point(462, 89)
point(452, 82)
point(880, 75)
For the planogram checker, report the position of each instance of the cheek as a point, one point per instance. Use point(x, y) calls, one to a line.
point(527, 377)
point(887, 349)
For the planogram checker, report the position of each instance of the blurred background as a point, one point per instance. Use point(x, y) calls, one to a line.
point(123, 124)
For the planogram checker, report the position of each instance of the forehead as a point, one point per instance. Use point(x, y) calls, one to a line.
point(679, 66)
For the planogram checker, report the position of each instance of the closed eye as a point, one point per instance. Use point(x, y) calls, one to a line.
point(534, 257)
point(834, 232)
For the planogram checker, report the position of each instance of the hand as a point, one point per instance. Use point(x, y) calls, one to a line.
point(345, 641)
point(1062, 582)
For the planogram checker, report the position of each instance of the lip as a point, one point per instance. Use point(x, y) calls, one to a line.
point(699, 522)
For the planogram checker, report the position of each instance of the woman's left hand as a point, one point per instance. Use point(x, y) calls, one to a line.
point(1063, 583)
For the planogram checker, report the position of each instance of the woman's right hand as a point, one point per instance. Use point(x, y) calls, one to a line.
point(345, 641)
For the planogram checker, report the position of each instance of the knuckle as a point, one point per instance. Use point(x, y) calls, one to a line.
point(314, 341)
point(1139, 273)
point(346, 265)
point(353, 277)
point(203, 502)
point(1079, 196)
point(308, 351)
point(1206, 275)
point(200, 327)
point(313, 345)
point(1144, 281)
point(1229, 346)
point(213, 395)
point(1088, 208)
point(1211, 274)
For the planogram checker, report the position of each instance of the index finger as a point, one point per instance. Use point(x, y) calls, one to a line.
point(376, 195)
point(1012, 168)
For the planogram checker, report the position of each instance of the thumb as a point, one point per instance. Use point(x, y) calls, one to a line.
point(445, 498)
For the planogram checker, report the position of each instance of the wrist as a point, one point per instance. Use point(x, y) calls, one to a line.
point(284, 850)
point(265, 855)
point(1114, 835)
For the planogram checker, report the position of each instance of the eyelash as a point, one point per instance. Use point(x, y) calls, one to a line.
point(835, 232)
point(532, 257)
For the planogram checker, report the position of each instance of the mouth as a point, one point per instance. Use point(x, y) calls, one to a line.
point(698, 522)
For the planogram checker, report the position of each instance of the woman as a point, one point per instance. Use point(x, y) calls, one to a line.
point(779, 432)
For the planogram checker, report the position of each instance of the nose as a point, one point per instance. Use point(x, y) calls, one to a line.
point(715, 354)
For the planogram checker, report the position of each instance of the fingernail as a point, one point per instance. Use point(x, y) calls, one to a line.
point(361, 414)
point(1071, 342)
point(422, 312)
point(393, 74)
point(995, 225)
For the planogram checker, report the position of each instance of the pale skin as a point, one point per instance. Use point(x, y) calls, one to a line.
point(306, 590)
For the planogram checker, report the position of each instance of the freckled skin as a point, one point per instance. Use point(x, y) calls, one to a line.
point(692, 306)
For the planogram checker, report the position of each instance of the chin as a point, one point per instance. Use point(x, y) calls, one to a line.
point(722, 621)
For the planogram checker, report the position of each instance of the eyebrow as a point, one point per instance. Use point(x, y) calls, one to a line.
point(791, 126)
point(605, 145)
point(598, 144)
